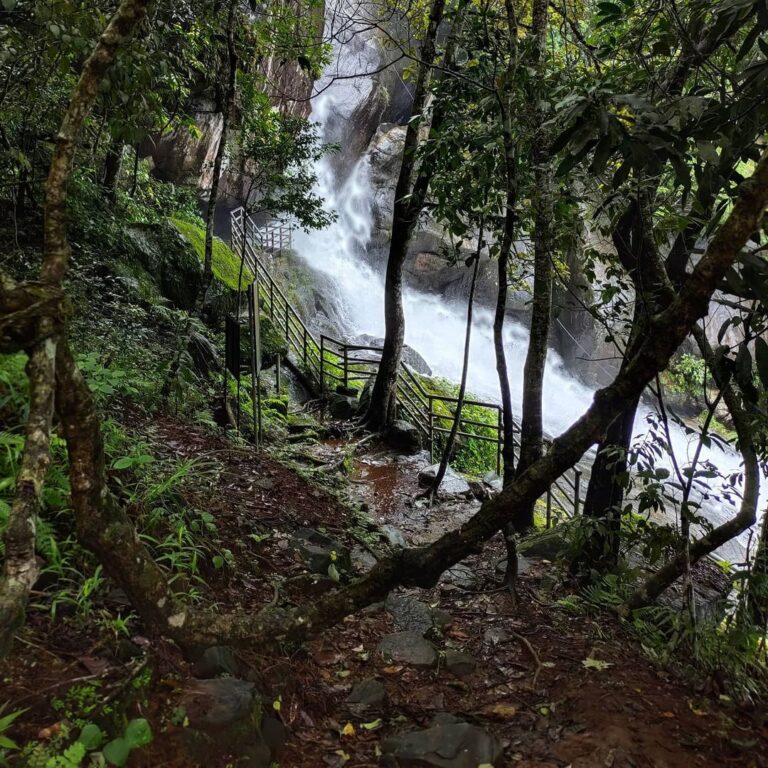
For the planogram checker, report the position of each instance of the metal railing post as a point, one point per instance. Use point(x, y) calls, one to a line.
point(304, 344)
point(271, 299)
point(346, 365)
point(499, 441)
point(322, 364)
point(431, 433)
point(576, 491)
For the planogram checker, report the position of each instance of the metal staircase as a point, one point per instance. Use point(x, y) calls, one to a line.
point(328, 364)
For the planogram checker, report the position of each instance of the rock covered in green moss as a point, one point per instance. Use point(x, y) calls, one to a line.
point(169, 260)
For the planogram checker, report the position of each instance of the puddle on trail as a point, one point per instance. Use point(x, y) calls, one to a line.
point(388, 483)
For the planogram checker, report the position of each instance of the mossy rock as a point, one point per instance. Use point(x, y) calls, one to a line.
point(225, 263)
point(169, 260)
point(277, 404)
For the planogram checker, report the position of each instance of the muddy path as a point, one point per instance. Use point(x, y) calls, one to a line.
point(454, 677)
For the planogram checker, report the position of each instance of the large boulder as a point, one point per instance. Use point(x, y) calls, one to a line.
point(448, 743)
point(227, 718)
point(404, 436)
point(409, 355)
point(170, 261)
point(453, 483)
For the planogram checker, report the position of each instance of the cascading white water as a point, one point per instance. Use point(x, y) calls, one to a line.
point(435, 328)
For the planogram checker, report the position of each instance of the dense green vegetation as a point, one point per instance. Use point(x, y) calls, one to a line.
point(172, 492)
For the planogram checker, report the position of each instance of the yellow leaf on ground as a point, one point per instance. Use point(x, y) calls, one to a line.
point(348, 730)
point(501, 711)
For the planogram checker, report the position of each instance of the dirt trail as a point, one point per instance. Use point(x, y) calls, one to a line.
point(527, 684)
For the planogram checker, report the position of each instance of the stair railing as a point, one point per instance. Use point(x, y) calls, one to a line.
point(330, 365)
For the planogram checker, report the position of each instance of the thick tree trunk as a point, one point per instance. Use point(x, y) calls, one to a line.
point(226, 103)
point(507, 238)
point(448, 450)
point(113, 162)
point(605, 493)
point(409, 200)
point(531, 425)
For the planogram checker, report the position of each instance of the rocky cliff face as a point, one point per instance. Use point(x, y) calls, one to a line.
point(185, 156)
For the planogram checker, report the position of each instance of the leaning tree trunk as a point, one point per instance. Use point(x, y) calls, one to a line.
point(226, 102)
point(20, 569)
point(105, 527)
point(531, 425)
point(409, 200)
point(448, 450)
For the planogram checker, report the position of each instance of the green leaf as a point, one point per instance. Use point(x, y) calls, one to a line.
point(91, 736)
point(6, 743)
point(122, 463)
point(9, 5)
point(138, 733)
point(590, 663)
point(116, 752)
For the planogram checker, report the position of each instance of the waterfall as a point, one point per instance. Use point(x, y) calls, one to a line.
point(435, 327)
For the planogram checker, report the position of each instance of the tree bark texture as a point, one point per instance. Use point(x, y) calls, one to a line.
point(410, 193)
point(20, 569)
point(531, 424)
point(506, 107)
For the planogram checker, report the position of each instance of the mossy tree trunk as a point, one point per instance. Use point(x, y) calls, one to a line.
point(20, 568)
point(225, 98)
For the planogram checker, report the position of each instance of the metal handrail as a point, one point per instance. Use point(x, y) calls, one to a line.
point(412, 397)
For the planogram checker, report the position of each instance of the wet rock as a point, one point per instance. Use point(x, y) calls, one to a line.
point(404, 436)
point(524, 564)
point(204, 354)
point(319, 551)
point(453, 483)
point(409, 355)
point(169, 259)
point(413, 615)
point(479, 490)
point(265, 483)
point(218, 660)
point(447, 743)
point(368, 693)
point(549, 544)
point(495, 635)
point(314, 584)
point(409, 648)
point(229, 712)
point(218, 703)
point(362, 559)
point(493, 481)
point(460, 575)
point(459, 664)
point(394, 536)
point(342, 407)
point(346, 391)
